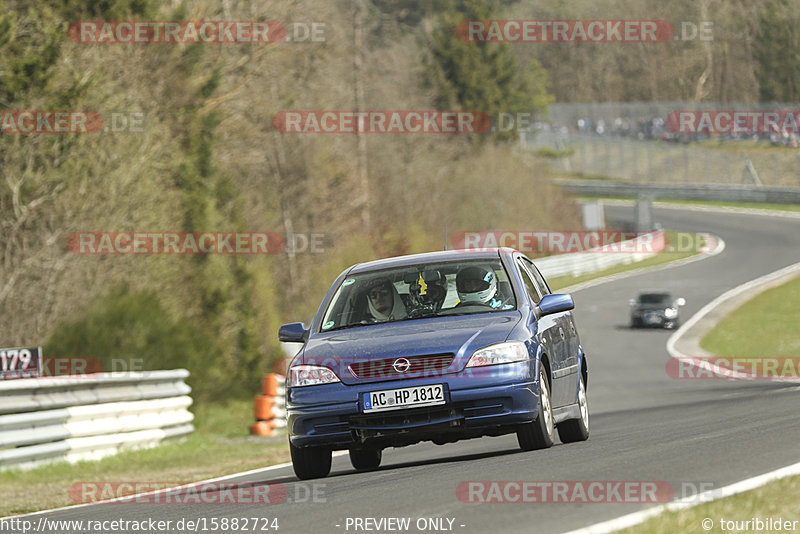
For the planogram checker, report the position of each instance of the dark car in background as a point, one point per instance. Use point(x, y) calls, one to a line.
point(656, 308)
point(438, 347)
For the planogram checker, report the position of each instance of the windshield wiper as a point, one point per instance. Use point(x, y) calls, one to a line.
point(346, 326)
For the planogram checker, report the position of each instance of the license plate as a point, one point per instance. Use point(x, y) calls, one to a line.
point(652, 318)
point(393, 399)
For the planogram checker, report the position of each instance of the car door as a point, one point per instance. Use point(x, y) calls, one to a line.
point(551, 333)
point(573, 340)
point(566, 369)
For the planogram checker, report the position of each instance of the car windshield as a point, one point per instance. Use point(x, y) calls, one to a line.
point(418, 291)
point(662, 299)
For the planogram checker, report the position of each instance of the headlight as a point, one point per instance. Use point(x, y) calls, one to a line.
point(510, 352)
point(670, 313)
point(311, 375)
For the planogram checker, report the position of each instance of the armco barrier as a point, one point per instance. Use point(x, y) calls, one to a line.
point(270, 406)
point(600, 258)
point(714, 192)
point(91, 416)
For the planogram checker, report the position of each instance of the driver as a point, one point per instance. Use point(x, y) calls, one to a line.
point(384, 302)
point(477, 285)
point(427, 296)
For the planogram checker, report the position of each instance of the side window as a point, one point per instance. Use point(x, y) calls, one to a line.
point(530, 284)
point(540, 281)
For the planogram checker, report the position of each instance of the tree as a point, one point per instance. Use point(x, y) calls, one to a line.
point(482, 77)
point(777, 51)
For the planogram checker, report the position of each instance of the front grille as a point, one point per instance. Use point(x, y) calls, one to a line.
point(419, 366)
point(400, 419)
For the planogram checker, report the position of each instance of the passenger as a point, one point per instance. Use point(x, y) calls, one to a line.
point(384, 302)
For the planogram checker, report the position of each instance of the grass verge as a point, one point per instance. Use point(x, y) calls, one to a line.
point(761, 327)
point(764, 503)
point(219, 446)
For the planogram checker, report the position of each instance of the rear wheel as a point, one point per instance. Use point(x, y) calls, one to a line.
point(365, 459)
point(539, 434)
point(577, 429)
point(310, 462)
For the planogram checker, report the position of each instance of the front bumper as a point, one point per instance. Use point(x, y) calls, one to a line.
point(656, 319)
point(469, 412)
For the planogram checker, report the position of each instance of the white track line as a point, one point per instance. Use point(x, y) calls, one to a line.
point(636, 518)
point(751, 287)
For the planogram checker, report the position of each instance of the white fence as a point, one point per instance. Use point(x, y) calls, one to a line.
point(89, 417)
point(598, 259)
point(720, 192)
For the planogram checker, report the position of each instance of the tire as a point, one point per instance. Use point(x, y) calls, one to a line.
point(574, 430)
point(365, 459)
point(539, 434)
point(310, 462)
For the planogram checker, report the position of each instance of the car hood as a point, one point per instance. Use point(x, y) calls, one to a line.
point(458, 335)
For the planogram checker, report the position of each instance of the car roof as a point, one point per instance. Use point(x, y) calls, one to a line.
point(430, 257)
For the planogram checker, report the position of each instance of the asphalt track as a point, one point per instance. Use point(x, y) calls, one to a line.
point(645, 426)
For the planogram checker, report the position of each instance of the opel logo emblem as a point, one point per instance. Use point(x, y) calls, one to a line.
point(401, 365)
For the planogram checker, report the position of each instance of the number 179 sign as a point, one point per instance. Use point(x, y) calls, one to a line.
point(20, 363)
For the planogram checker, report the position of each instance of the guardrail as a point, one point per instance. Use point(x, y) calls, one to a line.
point(88, 417)
point(600, 258)
point(721, 192)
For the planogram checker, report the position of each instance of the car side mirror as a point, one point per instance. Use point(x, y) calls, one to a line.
point(293, 333)
point(632, 302)
point(559, 302)
point(680, 301)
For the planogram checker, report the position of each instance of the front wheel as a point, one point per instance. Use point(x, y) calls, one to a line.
point(310, 462)
point(539, 434)
point(577, 429)
point(365, 459)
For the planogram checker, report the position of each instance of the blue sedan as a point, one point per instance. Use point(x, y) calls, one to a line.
point(439, 347)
